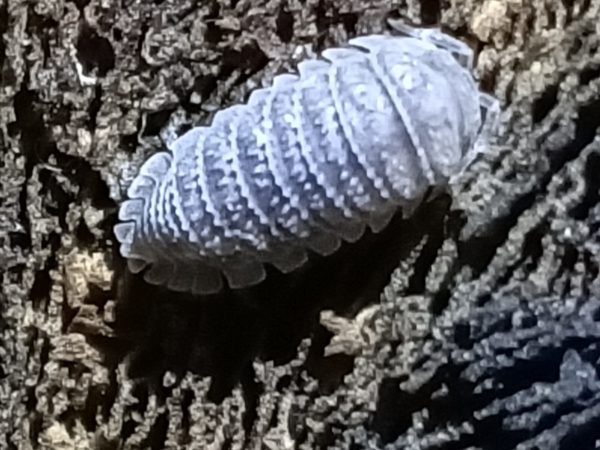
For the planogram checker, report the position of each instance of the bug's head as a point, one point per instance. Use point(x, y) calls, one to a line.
point(454, 120)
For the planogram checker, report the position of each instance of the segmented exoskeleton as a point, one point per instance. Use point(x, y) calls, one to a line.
point(308, 162)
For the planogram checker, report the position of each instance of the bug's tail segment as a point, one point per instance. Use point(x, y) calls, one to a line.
point(461, 51)
point(125, 234)
point(135, 245)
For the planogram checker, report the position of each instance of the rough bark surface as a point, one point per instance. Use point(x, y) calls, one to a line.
point(474, 325)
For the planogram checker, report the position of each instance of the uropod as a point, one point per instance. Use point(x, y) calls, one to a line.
point(310, 161)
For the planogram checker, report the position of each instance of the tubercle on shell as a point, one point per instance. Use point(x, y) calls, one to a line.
point(308, 162)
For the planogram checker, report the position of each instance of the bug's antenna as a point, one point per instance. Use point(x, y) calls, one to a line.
point(490, 113)
point(461, 51)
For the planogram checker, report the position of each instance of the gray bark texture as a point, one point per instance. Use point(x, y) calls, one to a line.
point(473, 325)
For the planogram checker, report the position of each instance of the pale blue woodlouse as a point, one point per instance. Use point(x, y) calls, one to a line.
point(310, 161)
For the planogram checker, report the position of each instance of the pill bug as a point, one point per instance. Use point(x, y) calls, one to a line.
point(306, 163)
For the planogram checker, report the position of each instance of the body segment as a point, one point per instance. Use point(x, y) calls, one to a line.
point(306, 163)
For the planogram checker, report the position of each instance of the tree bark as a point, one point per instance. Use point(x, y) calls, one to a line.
point(474, 324)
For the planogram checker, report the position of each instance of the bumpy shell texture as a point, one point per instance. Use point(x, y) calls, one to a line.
point(306, 163)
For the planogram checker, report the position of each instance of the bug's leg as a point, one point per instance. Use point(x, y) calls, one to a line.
point(461, 51)
point(490, 115)
point(490, 111)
